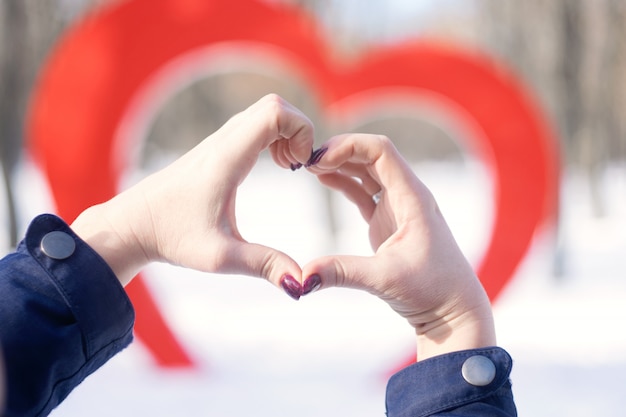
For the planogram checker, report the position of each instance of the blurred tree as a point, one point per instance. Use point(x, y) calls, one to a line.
point(572, 53)
point(12, 63)
point(28, 29)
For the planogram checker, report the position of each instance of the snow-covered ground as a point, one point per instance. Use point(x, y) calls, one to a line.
point(260, 353)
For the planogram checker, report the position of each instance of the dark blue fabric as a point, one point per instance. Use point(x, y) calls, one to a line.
point(435, 387)
point(60, 320)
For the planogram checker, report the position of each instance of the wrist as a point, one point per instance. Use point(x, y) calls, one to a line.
point(472, 329)
point(112, 239)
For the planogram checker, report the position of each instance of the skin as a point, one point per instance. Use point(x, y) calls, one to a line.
point(417, 266)
point(185, 215)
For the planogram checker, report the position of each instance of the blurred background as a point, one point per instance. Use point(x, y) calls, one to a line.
point(562, 314)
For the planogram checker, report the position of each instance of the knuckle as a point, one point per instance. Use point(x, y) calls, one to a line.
point(384, 141)
point(273, 103)
point(340, 274)
point(273, 107)
point(272, 97)
point(266, 266)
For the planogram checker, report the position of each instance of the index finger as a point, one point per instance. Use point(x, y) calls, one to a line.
point(376, 153)
point(280, 120)
point(269, 120)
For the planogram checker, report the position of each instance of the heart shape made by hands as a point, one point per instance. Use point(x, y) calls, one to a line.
point(108, 71)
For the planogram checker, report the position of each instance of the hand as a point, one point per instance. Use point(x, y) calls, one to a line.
point(417, 267)
point(185, 213)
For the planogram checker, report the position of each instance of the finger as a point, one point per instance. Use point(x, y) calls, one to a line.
point(278, 155)
point(356, 148)
point(369, 184)
point(285, 121)
point(269, 120)
point(375, 153)
point(357, 272)
point(378, 156)
point(282, 155)
point(264, 262)
point(352, 190)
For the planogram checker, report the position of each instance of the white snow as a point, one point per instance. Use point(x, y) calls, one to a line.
point(260, 353)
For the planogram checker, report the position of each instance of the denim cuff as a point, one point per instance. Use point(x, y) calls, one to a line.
point(472, 382)
point(90, 288)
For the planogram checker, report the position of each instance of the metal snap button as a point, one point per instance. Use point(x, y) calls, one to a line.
point(58, 245)
point(478, 370)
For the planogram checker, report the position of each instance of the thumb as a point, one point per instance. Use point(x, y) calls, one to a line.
point(358, 272)
point(261, 261)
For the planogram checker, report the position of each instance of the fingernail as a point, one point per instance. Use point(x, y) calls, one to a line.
point(315, 157)
point(311, 284)
point(295, 166)
point(291, 287)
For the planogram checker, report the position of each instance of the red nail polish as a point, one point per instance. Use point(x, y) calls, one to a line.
point(311, 284)
point(291, 286)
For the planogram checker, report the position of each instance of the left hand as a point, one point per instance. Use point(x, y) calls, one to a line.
point(185, 213)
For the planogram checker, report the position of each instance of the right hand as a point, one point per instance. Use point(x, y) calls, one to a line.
point(417, 267)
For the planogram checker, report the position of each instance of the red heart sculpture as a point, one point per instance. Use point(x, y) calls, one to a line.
point(108, 66)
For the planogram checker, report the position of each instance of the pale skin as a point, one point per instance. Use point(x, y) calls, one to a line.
point(185, 215)
point(417, 266)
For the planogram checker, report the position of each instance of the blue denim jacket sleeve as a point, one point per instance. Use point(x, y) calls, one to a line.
point(60, 319)
point(437, 387)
